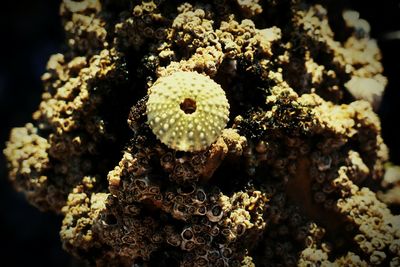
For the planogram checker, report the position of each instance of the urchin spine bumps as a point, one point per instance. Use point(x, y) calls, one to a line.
point(187, 111)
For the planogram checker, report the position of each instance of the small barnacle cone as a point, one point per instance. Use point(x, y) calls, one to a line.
point(187, 111)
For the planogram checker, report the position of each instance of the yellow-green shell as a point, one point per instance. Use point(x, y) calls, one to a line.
point(174, 127)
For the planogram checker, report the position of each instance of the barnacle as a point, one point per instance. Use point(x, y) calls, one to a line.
point(187, 111)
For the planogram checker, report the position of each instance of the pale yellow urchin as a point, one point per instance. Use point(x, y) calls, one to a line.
point(187, 111)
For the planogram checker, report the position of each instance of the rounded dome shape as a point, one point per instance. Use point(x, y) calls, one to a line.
point(187, 111)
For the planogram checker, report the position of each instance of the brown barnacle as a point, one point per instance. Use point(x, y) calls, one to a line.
point(167, 161)
point(199, 240)
point(215, 213)
point(228, 234)
point(136, 194)
point(157, 238)
point(240, 229)
point(179, 171)
point(148, 221)
point(132, 209)
point(324, 163)
point(197, 228)
point(201, 261)
point(187, 262)
point(168, 198)
point(179, 199)
point(139, 167)
point(187, 200)
point(188, 245)
point(200, 196)
point(207, 239)
point(154, 190)
point(202, 210)
point(174, 240)
point(213, 255)
point(197, 160)
point(214, 231)
point(129, 238)
point(226, 252)
point(186, 189)
point(160, 33)
point(141, 183)
point(187, 234)
point(191, 210)
point(201, 251)
point(157, 200)
point(179, 211)
point(169, 229)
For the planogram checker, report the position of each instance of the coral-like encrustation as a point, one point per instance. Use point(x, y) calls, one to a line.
point(297, 177)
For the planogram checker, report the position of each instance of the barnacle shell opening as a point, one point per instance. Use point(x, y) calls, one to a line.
point(187, 111)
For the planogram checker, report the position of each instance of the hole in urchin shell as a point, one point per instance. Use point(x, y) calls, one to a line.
point(188, 106)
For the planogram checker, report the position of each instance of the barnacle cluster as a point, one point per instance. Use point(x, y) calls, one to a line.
point(231, 133)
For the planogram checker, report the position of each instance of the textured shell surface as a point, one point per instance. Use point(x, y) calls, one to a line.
point(187, 110)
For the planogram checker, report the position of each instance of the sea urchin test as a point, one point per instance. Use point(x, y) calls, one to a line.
point(187, 111)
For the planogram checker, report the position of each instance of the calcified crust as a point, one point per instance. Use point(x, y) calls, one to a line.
point(290, 181)
point(187, 111)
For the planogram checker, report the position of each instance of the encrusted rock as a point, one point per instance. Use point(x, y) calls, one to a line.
point(136, 145)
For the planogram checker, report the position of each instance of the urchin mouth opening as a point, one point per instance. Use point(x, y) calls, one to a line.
point(188, 105)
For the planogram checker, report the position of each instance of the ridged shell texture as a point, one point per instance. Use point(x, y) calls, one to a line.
point(187, 111)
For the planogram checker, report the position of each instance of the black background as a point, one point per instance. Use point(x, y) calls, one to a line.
point(30, 31)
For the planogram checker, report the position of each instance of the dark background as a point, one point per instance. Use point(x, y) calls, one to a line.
point(30, 31)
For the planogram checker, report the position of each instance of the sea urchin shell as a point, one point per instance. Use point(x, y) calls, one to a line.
point(187, 111)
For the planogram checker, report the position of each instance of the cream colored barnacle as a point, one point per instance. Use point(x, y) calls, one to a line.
point(187, 111)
